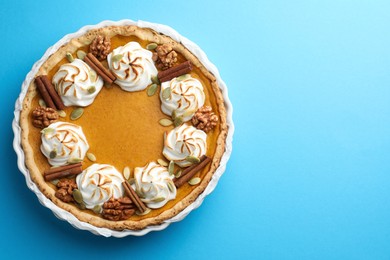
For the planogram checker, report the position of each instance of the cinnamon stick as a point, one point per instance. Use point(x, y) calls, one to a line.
point(100, 66)
point(175, 74)
point(53, 93)
point(178, 70)
point(96, 65)
point(63, 171)
point(134, 197)
point(62, 168)
point(98, 71)
point(164, 73)
point(44, 93)
point(189, 172)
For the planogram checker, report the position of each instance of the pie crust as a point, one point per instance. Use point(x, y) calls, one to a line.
point(30, 148)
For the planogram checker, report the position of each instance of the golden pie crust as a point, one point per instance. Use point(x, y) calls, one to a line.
point(102, 120)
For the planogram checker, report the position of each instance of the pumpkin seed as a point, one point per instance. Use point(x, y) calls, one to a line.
point(91, 157)
point(97, 209)
point(182, 77)
point(126, 172)
point(171, 167)
point(165, 122)
point(158, 199)
point(55, 182)
point(116, 58)
point(192, 159)
point(166, 93)
point(140, 191)
point(74, 160)
point(53, 154)
point(178, 173)
point(171, 186)
point(188, 113)
point(86, 42)
point(92, 75)
point(152, 89)
point(155, 80)
point(131, 181)
point(162, 162)
point(174, 114)
point(91, 89)
point(81, 54)
point(178, 121)
point(81, 205)
point(151, 46)
point(69, 56)
point(42, 103)
point(147, 211)
point(47, 131)
point(78, 197)
point(76, 113)
point(61, 113)
point(194, 181)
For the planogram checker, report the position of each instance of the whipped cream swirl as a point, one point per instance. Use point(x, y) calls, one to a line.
point(133, 66)
point(186, 97)
point(184, 141)
point(77, 84)
point(154, 185)
point(62, 142)
point(98, 183)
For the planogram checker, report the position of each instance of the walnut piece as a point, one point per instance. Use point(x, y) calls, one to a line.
point(100, 47)
point(205, 119)
point(44, 116)
point(118, 209)
point(164, 57)
point(65, 190)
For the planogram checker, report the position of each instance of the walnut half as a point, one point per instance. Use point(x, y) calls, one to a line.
point(118, 209)
point(65, 189)
point(44, 116)
point(205, 119)
point(100, 47)
point(164, 57)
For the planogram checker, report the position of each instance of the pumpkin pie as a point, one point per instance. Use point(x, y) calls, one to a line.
point(123, 127)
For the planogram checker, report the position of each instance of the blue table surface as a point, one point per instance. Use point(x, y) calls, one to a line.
point(309, 174)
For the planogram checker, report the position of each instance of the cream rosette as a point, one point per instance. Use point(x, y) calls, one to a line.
point(184, 141)
point(186, 97)
point(133, 66)
point(98, 183)
point(154, 185)
point(63, 142)
point(77, 84)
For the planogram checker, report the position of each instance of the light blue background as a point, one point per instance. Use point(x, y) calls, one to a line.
point(309, 174)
